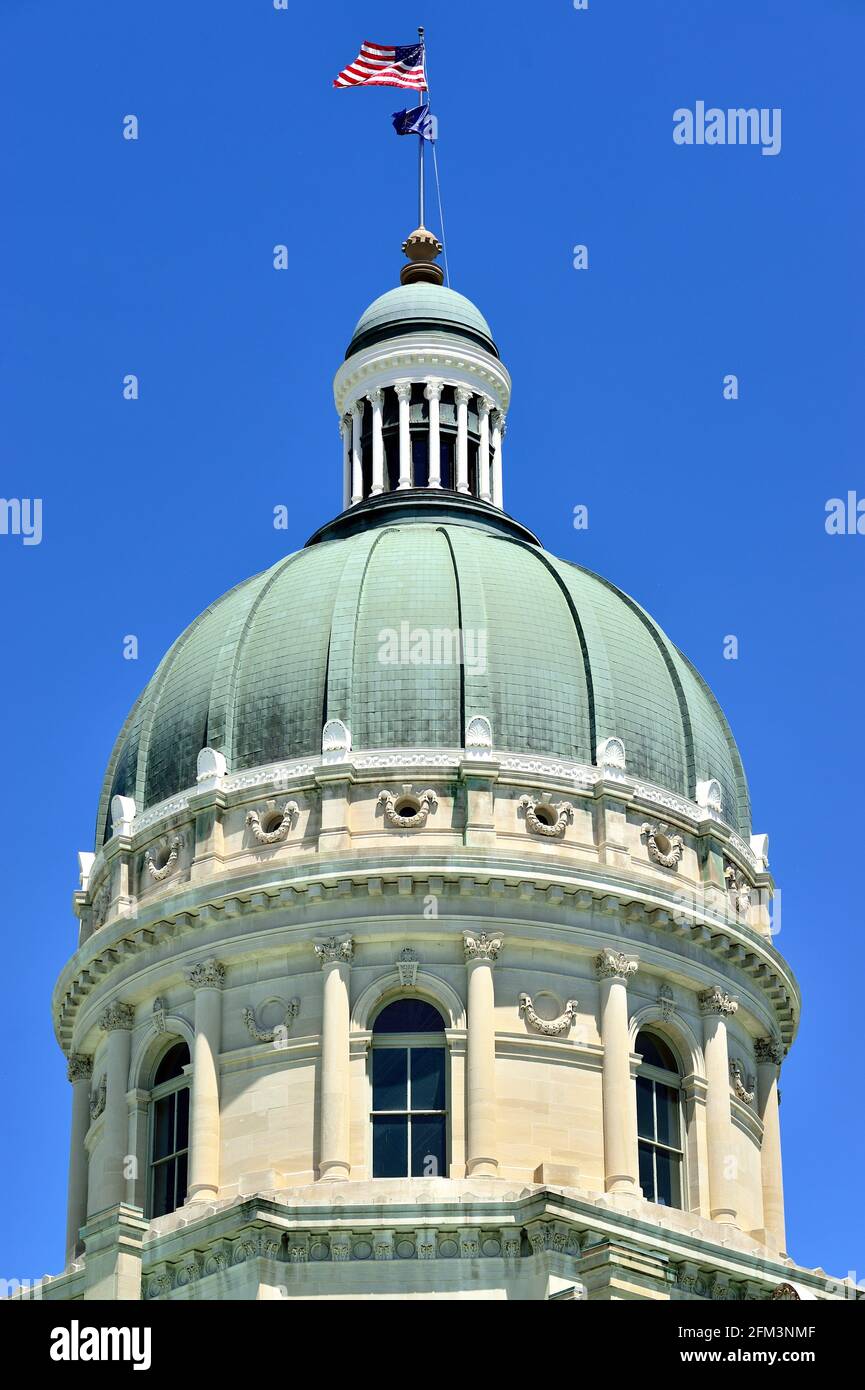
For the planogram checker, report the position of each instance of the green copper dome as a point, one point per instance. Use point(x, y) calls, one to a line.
point(569, 660)
point(421, 309)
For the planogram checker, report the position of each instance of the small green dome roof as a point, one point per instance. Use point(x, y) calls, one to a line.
point(421, 308)
point(569, 660)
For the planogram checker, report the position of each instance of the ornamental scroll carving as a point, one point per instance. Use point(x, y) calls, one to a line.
point(664, 847)
point(332, 951)
point(717, 1001)
point(743, 1088)
point(739, 891)
point(481, 947)
point(545, 818)
point(101, 904)
point(279, 1032)
point(279, 820)
point(414, 819)
point(550, 1027)
point(160, 871)
point(614, 965)
point(97, 1099)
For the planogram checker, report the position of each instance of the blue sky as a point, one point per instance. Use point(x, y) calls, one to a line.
point(155, 257)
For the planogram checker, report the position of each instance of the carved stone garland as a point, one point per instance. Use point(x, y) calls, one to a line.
point(744, 1090)
point(97, 1099)
point(659, 836)
point(425, 802)
point(562, 815)
point(551, 1028)
point(158, 874)
point(268, 1035)
point(280, 831)
point(739, 890)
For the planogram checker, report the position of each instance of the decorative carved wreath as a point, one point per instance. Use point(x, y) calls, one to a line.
point(664, 849)
point(280, 829)
point(739, 890)
point(423, 804)
point(553, 819)
point(97, 1099)
point(551, 1028)
point(162, 872)
point(744, 1090)
point(267, 1035)
point(101, 904)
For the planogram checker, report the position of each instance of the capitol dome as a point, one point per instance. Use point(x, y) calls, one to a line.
point(425, 949)
point(564, 659)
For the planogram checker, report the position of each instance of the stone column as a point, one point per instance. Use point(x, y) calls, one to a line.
point(116, 1021)
point(770, 1054)
point(206, 979)
point(335, 957)
point(433, 393)
point(498, 435)
point(79, 1071)
point(481, 953)
point(463, 396)
point(356, 453)
point(376, 400)
point(621, 1165)
point(403, 395)
point(485, 405)
point(716, 1007)
point(345, 431)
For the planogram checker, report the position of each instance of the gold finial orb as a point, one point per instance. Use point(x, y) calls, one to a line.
point(422, 248)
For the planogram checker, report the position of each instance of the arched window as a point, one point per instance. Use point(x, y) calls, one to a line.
point(409, 1091)
point(659, 1121)
point(169, 1132)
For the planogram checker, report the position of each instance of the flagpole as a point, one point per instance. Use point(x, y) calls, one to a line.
point(420, 34)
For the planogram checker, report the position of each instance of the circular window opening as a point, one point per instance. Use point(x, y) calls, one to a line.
point(407, 806)
point(545, 814)
point(662, 842)
point(271, 821)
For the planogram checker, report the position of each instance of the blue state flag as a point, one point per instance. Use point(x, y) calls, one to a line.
point(416, 121)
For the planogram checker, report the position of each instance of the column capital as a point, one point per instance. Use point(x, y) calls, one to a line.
point(376, 397)
point(334, 950)
point(769, 1050)
point(117, 1015)
point(79, 1067)
point(206, 974)
point(433, 390)
point(463, 395)
point(499, 420)
point(717, 1001)
point(615, 965)
point(485, 405)
point(345, 423)
point(403, 391)
point(357, 408)
point(481, 947)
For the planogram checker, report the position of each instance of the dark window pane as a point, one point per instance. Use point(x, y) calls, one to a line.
point(181, 1180)
point(389, 1078)
point(420, 462)
point(647, 1173)
point(645, 1115)
point(389, 1147)
point(669, 1194)
point(427, 1078)
point(182, 1131)
point(428, 1146)
point(668, 1116)
point(655, 1052)
point(163, 1188)
point(409, 1016)
point(172, 1064)
point(163, 1127)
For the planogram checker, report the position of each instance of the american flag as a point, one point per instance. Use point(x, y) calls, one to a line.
point(380, 65)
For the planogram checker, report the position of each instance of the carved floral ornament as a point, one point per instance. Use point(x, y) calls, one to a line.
point(665, 847)
point(98, 1098)
point(160, 861)
point(614, 965)
point(117, 1015)
point(717, 1001)
point(271, 826)
point(550, 1027)
point(481, 947)
point(406, 810)
point(769, 1050)
point(79, 1067)
point(206, 974)
point(739, 890)
point(333, 951)
point(743, 1088)
point(545, 818)
point(407, 965)
point(279, 1032)
point(101, 904)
